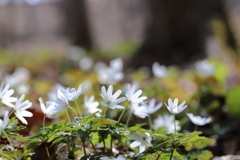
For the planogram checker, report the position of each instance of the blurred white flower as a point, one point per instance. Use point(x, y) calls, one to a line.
point(141, 139)
point(87, 86)
point(173, 106)
point(91, 105)
point(85, 63)
point(19, 79)
point(205, 68)
point(139, 111)
point(3, 123)
point(110, 99)
point(159, 71)
point(75, 53)
point(53, 93)
point(152, 107)
point(166, 121)
point(134, 83)
point(111, 74)
point(52, 107)
point(20, 109)
point(5, 95)
point(197, 120)
point(72, 94)
point(133, 97)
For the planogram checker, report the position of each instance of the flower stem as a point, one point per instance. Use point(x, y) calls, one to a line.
point(44, 122)
point(92, 144)
point(150, 122)
point(73, 110)
point(105, 112)
point(104, 144)
point(121, 115)
point(174, 124)
point(68, 115)
point(129, 117)
point(8, 138)
point(78, 108)
point(84, 149)
point(171, 154)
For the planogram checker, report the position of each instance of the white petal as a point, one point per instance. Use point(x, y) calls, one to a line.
point(20, 117)
point(135, 144)
point(26, 113)
point(42, 105)
point(117, 94)
point(142, 148)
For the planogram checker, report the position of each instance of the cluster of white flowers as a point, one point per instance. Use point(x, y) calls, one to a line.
point(111, 74)
point(19, 108)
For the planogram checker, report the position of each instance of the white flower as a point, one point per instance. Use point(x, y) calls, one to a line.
point(53, 93)
point(3, 123)
point(53, 107)
point(152, 107)
point(91, 105)
point(159, 71)
point(133, 97)
point(141, 139)
point(20, 109)
point(205, 68)
point(166, 121)
point(111, 74)
point(197, 120)
point(5, 95)
point(139, 111)
point(86, 63)
point(173, 106)
point(19, 79)
point(110, 99)
point(72, 94)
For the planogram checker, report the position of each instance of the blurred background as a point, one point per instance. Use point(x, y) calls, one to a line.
point(49, 38)
point(173, 32)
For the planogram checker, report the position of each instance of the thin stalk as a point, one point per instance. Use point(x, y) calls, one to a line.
point(121, 115)
point(174, 124)
point(68, 115)
point(129, 117)
point(47, 151)
point(11, 113)
point(171, 154)
point(10, 142)
point(104, 144)
point(84, 149)
point(44, 122)
point(105, 112)
point(78, 108)
point(92, 144)
point(73, 110)
point(150, 122)
point(8, 138)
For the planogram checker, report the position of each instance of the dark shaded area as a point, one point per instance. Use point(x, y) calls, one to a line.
point(178, 31)
point(76, 22)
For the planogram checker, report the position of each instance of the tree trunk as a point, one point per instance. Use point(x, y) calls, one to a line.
point(76, 22)
point(177, 32)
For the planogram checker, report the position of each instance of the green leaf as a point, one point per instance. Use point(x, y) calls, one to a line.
point(233, 101)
